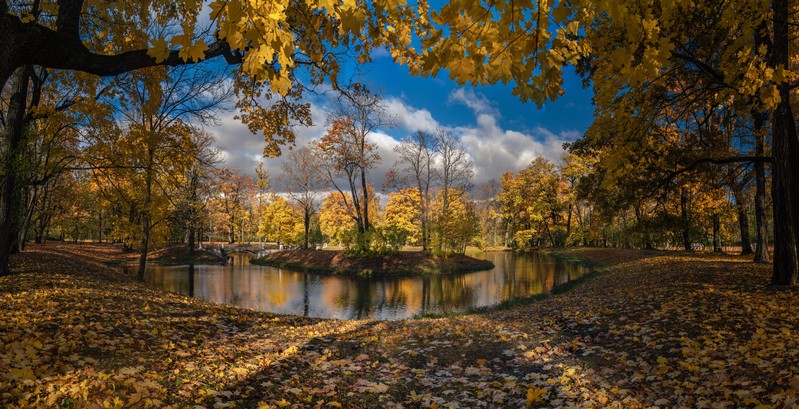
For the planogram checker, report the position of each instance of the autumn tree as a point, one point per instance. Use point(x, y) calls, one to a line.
point(461, 225)
point(302, 179)
point(401, 218)
point(335, 221)
point(154, 107)
point(416, 168)
point(194, 187)
point(455, 176)
point(487, 208)
point(268, 41)
point(532, 202)
point(739, 49)
point(281, 223)
point(344, 149)
point(263, 181)
point(233, 193)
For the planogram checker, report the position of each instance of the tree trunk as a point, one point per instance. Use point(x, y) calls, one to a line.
point(686, 227)
point(26, 222)
point(146, 219)
point(569, 222)
point(366, 225)
point(423, 213)
point(762, 254)
point(44, 217)
point(743, 222)
point(444, 216)
point(100, 227)
point(10, 206)
point(716, 233)
point(144, 247)
point(743, 217)
point(191, 239)
point(785, 146)
point(307, 227)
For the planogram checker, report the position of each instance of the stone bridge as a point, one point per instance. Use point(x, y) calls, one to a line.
point(222, 250)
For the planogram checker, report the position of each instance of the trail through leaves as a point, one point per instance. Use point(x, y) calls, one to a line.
point(656, 329)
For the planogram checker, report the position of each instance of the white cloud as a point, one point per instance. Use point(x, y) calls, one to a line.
point(410, 118)
point(241, 149)
point(494, 150)
point(475, 101)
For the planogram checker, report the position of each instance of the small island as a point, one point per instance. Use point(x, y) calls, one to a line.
point(402, 263)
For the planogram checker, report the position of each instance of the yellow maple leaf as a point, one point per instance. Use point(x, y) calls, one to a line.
point(535, 395)
point(159, 50)
point(25, 373)
point(770, 96)
point(197, 51)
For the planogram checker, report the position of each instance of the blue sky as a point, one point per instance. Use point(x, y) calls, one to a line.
point(499, 132)
point(571, 112)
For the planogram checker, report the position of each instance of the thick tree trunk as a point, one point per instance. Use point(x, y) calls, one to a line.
point(10, 206)
point(785, 146)
point(785, 181)
point(743, 222)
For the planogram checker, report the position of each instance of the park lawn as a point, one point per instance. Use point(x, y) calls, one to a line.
point(653, 328)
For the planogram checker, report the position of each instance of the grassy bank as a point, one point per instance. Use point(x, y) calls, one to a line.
point(166, 254)
point(655, 329)
point(402, 263)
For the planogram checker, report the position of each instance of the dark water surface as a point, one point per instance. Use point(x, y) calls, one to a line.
point(283, 291)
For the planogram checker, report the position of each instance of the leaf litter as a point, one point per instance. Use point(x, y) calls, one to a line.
point(654, 329)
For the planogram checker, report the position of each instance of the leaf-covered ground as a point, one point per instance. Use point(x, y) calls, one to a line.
point(655, 329)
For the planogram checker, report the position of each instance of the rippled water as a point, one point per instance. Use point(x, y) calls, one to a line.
point(288, 292)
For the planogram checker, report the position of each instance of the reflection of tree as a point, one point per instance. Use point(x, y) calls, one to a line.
point(283, 291)
point(277, 294)
point(362, 307)
point(452, 292)
point(305, 298)
point(397, 293)
point(191, 280)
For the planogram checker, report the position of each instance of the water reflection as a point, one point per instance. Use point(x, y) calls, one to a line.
point(288, 292)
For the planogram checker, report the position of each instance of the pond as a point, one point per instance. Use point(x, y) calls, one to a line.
point(283, 291)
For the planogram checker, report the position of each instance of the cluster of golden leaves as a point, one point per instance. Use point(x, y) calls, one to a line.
point(628, 43)
point(655, 330)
